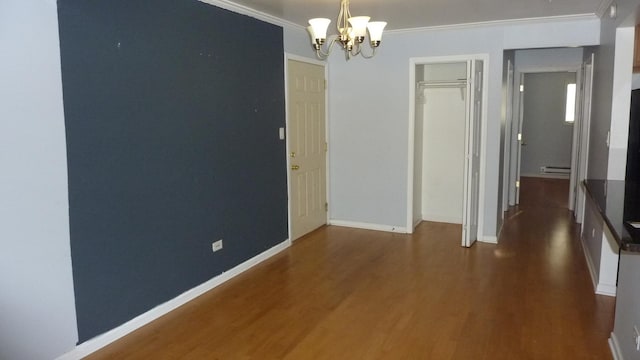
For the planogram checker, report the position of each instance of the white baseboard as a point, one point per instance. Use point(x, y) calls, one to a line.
point(490, 239)
point(369, 226)
point(614, 346)
point(606, 289)
point(600, 288)
point(416, 222)
point(590, 266)
point(547, 176)
point(442, 219)
point(112, 335)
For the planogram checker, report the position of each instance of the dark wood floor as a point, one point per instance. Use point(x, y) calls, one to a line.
point(342, 293)
point(544, 192)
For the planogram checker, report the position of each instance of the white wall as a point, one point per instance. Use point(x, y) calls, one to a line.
point(611, 92)
point(529, 59)
point(297, 41)
point(620, 103)
point(37, 309)
point(627, 300)
point(369, 110)
point(443, 139)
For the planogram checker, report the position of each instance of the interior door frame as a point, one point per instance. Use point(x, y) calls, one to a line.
point(417, 61)
point(587, 96)
point(510, 93)
point(287, 57)
point(514, 156)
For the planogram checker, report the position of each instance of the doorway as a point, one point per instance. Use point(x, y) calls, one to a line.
point(547, 121)
point(546, 134)
point(306, 146)
point(445, 143)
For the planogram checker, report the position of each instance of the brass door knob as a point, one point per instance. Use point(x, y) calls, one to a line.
point(295, 167)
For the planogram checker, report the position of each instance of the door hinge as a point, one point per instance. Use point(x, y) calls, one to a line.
point(519, 136)
point(521, 88)
point(326, 206)
point(517, 183)
point(326, 146)
point(325, 84)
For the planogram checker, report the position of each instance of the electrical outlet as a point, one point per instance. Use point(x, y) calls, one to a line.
point(636, 337)
point(216, 245)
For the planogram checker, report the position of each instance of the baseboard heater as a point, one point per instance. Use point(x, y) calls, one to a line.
point(555, 170)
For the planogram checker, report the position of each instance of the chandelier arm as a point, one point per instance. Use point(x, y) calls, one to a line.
point(373, 53)
point(358, 49)
point(323, 55)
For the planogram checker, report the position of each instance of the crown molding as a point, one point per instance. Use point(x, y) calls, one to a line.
point(603, 7)
point(245, 10)
point(523, 21)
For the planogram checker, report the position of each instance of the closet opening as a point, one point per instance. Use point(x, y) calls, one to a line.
point(446, 154)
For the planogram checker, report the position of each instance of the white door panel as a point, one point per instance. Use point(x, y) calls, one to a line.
point(472, 153)
point(307, 147)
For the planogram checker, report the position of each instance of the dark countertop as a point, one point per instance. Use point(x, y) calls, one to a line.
point(618, 202)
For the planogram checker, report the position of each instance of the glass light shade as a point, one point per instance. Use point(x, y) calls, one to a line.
point(319, 27)
point(359, 24)
point(375, 30)
point(311, 34)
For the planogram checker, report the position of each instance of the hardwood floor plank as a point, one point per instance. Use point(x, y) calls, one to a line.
point(342, 293)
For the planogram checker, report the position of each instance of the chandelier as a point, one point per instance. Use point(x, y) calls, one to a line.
point(351, 33)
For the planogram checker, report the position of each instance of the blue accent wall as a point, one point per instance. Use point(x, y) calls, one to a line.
point(172, 110)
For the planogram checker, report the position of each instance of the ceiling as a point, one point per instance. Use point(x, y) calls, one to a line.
point(408, 14)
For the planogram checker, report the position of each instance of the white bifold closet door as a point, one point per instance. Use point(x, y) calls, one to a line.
point(471, 208)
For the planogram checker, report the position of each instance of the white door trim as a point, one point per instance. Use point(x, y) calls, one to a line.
point(483, 131)
point(506, 170)
point(583, 167)
point(287, 57)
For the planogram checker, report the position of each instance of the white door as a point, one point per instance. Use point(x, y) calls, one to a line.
point(472, 153)
point(519, 142)
point(307, 147)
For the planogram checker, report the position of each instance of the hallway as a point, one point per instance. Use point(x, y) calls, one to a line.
point(342, 293)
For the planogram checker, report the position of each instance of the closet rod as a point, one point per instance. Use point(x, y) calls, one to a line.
point(461, 84)
point(425, 84)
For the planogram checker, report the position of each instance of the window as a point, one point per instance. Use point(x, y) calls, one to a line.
point(570, 107)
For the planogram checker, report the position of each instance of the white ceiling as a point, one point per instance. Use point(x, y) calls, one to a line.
point(407, 14)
